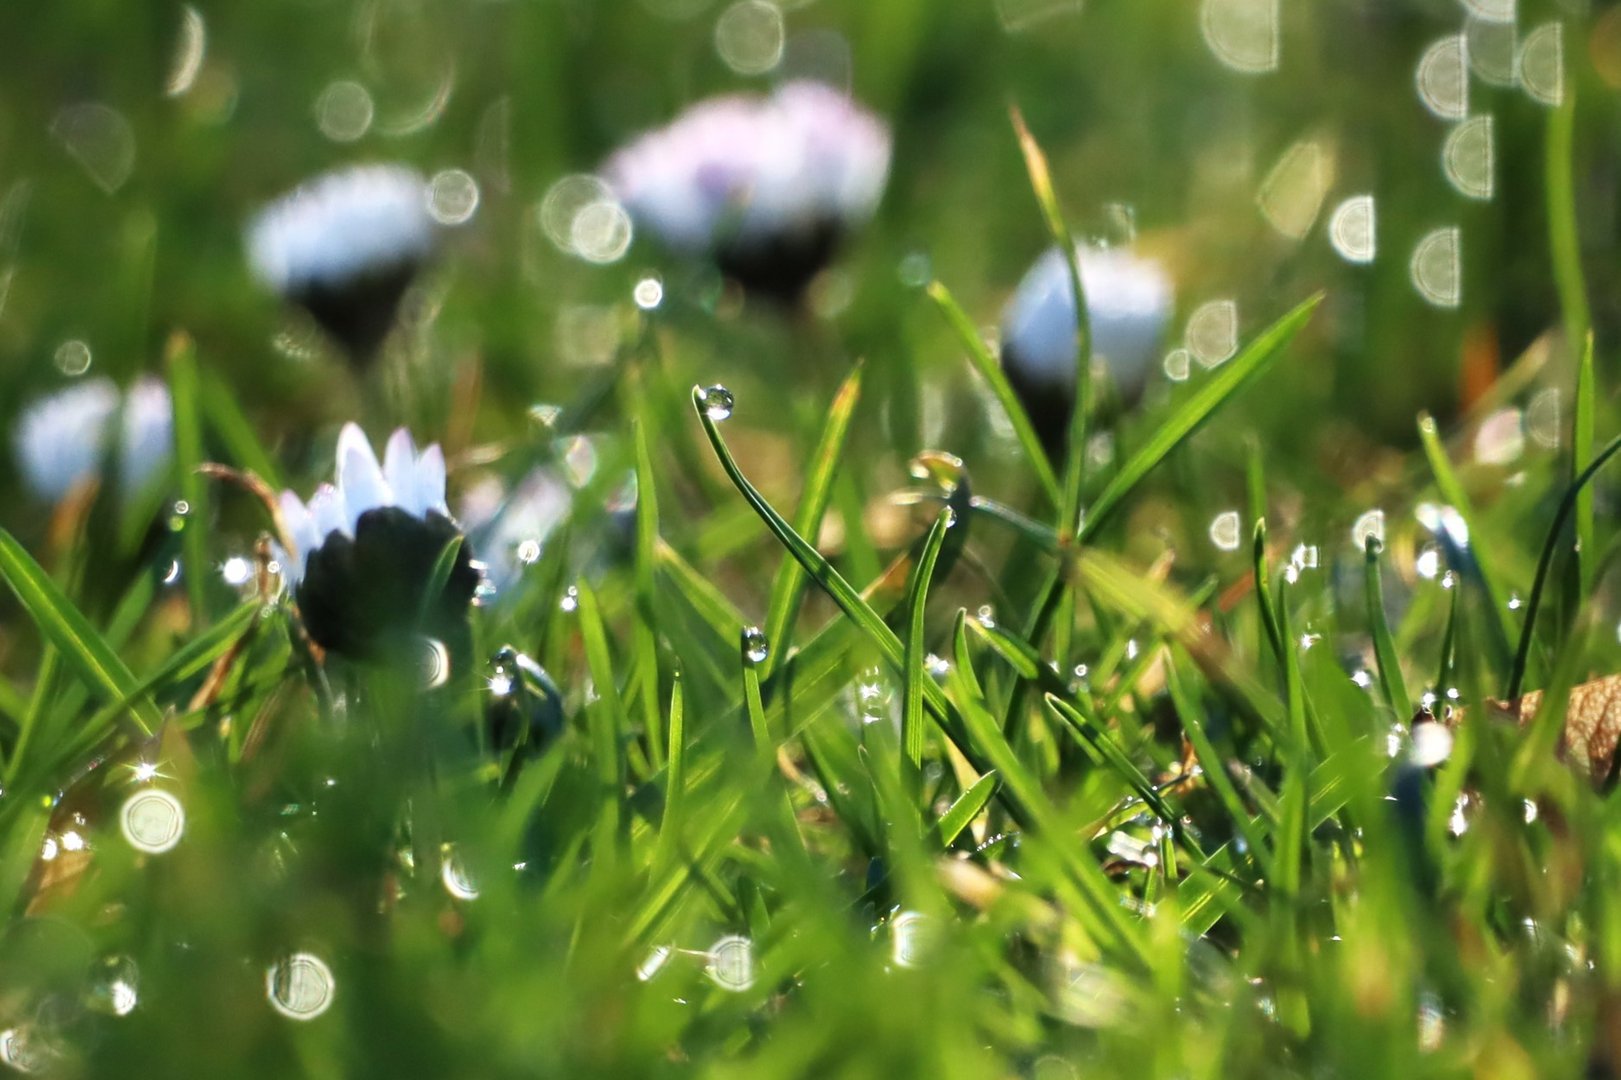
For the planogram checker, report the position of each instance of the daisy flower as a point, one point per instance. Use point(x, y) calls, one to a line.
point(365, 549)
point(345, 246)
point(1128, 304)
point(766, 187)
point(65, 438)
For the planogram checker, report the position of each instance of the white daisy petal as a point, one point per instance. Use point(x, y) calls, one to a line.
point(147, 436)
point(60, 439)
point(430, 480)
point(301, 532)
point(327, 509)
point(360, 478)
point(399, 469)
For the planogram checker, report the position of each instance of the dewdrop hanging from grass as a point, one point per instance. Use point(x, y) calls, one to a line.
point(345, 247)
point(367, 550)
point(768, 188)
point(1128, 303)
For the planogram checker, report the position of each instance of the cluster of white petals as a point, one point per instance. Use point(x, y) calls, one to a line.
point(63, 439)
point(412, 481)
point(1128, 303)
point(340, 226)
point(747, 168)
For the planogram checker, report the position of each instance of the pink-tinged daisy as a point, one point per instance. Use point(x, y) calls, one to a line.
point(765, 186)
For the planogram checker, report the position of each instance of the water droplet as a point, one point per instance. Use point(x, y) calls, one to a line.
point(731, 963)
point(1442, 77)
point(236, 571)
point(915, 270)
point(1462, 813)
point(571, 600)
point(986, 616)
point(1370, 525)
point(1432, 744)
point(171, 573)
point(1305, 557)
point(115, 985)
point(528, 551)
point(601, 232)
point(153, 821)
point(1467, 157)
point(911, 935)
point(938, 667)
point(1212, 333)
point(1362, 677)
point(1224, 531)
point(545, 415)
point(1542, 64)
point(657, 957)
point(755, 647)
point(344, 111)
point(24, 1049)
point(649, 293)
point(452, 196)
point(1352, 229)
point(433, 664)
point(717, 402)
point(454, 876)
point(1243, 34)
point(73, 358)
point(1531, 812)
point(749, 36)
point(301, 987)
point(1292, 194)
point(1437, 267)
point(100, 140)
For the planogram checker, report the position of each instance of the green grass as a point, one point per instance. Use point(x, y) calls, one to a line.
point(1034, 777)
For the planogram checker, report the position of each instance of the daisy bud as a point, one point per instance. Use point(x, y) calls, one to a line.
point(766, 187)
point(345, 247)
point(1128, 303)
point(366, 549)
point(63, 439)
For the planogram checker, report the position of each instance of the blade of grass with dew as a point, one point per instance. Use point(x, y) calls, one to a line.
point(1581, 452)
point(1095, 890)
point(818, 568)
point(83, 650)
point(961, 813)
point(1564, 233)
point(1041, 183)
point(989, 369)
point(645, 642)
point(1271, 635)
point(188, 448)
point(1391, 683)
point(763, 741)
point(915, 673)
point(1446, 482)
point(1191, 414)
point(1087, 729)
point(1567, 505)
point(788, 587)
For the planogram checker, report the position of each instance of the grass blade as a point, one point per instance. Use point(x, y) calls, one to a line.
point(1384, 647)
point(991, 371)
point(83, 650)
point(1564, 236)
point(964, 810)
point(188, 446)
point(645, 643)
point(1191, 415)
point(1587, 552)
point(915, 673)
point(788, 587)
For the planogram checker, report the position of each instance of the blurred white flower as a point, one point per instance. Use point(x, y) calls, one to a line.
point(345, 246)
point(366, 549)
point(1128, 304)
point(765, 185)
point(65, 437)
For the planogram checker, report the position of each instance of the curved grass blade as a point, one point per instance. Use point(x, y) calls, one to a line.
point(1215, 769)
point(990, 369)
point(645, 643)
point(1231, 377)
point(788, 587)
point(439, 576)
point(1581, 454)
point(1533, 604)
point(83, 650)
point(605, 715)
point(1564, 235)
point(914, 674)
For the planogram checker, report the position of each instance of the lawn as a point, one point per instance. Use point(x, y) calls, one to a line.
point(757, 657)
